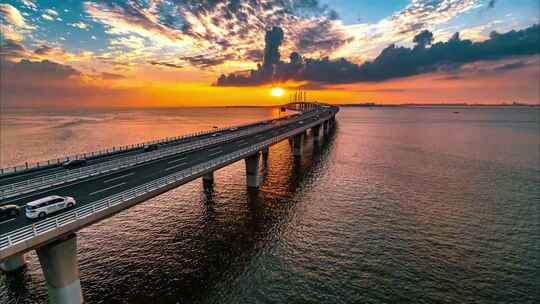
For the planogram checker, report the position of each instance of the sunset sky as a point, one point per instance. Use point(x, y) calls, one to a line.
point(171, 53)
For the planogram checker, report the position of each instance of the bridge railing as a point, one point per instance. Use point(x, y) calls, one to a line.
point(43, 182)
point(25, 233)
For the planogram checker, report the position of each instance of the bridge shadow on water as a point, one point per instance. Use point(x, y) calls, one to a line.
point(236, 226)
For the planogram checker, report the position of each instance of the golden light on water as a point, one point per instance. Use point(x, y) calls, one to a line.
point(277, 92)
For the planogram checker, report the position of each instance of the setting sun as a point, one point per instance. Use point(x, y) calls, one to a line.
point(277, 92)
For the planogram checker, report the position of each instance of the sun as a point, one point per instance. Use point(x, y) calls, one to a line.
point(277, 92)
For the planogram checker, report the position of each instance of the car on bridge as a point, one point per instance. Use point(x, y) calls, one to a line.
point(47, 205)
point(8, 212)
point(74, 163)
point(152, 147)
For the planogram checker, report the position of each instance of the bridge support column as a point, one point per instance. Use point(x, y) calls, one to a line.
point(252, 171)
point(297, 145)
point(264, 153)
point(315, 132)
point(208, 178)
point(59, 264)
point(13, 263)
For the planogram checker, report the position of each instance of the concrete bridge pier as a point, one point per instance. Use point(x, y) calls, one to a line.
point(252, 171)
point(208, 178)
point(59, 264)
point(13, 263)
point(325, 127)
point(264, 153)
point(315, 132)
point(297, 145)
point(208, 181)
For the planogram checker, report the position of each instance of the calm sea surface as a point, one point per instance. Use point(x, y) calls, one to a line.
point(399, 205)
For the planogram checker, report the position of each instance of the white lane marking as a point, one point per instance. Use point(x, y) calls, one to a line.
point(176, 160)
point(105, 189)
point(216, 153)
point(119, 177)
point(180, 164)
point(7, 221)
point(213, 149)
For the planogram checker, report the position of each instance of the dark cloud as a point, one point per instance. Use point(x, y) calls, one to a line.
point(43, 50)
point(26, 70)
point(424, 39)
point(395, 61)
point(166, 64)
point(46, 50)
point(491, 3)
point(11, 49)
point(38, 83)
point(205, 61)
point(273, 39)
point(34, 79)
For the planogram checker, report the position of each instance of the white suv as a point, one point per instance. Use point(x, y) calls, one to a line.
point(47, 205)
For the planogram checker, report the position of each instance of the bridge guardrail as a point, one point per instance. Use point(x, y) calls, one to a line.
point(30, 231)
point(50, 180)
